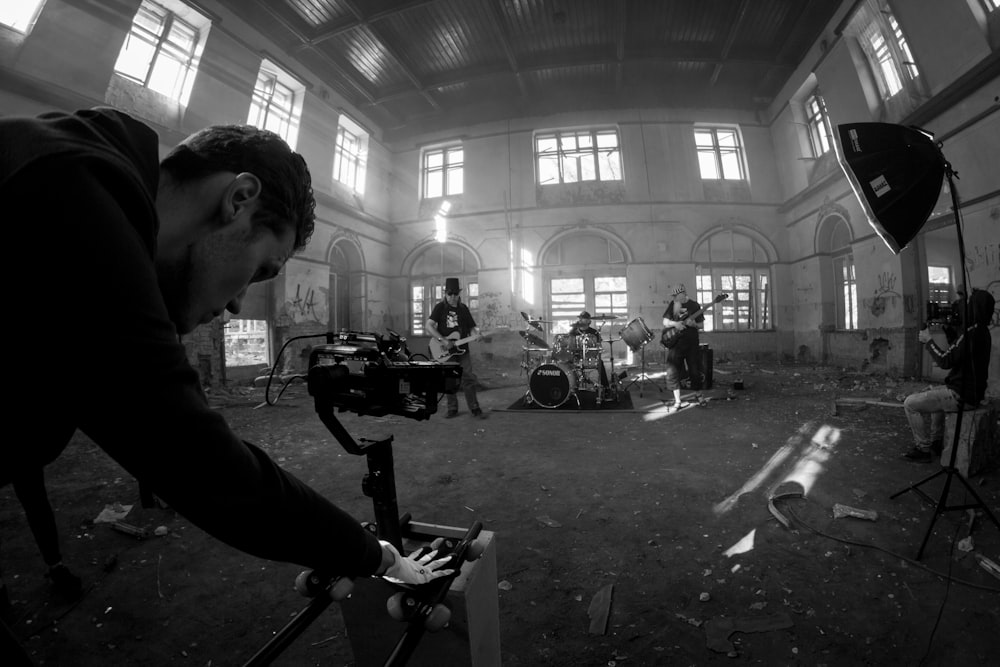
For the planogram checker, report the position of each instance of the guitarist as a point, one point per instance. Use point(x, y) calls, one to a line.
point(449, 316)
point(683, 347)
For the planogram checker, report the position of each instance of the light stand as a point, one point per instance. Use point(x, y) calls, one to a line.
point(950, 471)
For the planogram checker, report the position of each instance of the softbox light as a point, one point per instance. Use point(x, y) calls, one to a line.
point(896, 173)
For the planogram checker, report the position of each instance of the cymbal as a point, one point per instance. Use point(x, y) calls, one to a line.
point(604, 317)
point(535, 348)
point(533, 339)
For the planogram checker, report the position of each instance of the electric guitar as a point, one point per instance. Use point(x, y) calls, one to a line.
point(445, 351)
point(671, 335)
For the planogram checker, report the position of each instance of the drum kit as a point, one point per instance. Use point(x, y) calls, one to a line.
point(573, 363)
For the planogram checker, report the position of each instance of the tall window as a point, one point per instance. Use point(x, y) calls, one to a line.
point(161, 50)
point(939, 282)
point(847, 291)
point(882, 40)
point(443, 171)
point(819, 124)
point(273, 105)
point(350, 155)
point(720, 155)
point(572, 156)
point(20, 16)
point(437, 262)
point(730, 262)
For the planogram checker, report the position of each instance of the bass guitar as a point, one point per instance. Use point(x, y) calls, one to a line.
point(449, 349)
point(671, 335)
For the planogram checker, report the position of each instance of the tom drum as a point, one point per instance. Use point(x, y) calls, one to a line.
point(590, 350)
point(564, 349)
point(636, 334)
point(551, 385)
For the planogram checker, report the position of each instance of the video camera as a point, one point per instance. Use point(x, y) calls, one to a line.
point(359, 373)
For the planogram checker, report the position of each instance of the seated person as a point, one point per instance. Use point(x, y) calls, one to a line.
point(967, 360)
point(582, 326)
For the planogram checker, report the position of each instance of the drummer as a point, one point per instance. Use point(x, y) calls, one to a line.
point(582, 327)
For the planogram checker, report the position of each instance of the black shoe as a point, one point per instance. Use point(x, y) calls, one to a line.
point(451, 414)
point(65, 582)
point(478, 414)
point(918, 455)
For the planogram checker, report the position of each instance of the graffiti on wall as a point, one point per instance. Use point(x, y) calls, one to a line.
point(982, 257)
point(884, 293)
point(305, 306)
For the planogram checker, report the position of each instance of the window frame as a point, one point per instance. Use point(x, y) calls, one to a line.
point(165, 48)
point(846, 285)
point(755, 300)
point(445, 170)
point(820, 129)
point(578, 155)
point(272, 80)
point(349, 166)
point(719, 152)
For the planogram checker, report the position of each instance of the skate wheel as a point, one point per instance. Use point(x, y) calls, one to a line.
point(342, 589)
point(438, 618)
point(474, 551)
point(400, 606)
point(308, 584)
point(371, 527)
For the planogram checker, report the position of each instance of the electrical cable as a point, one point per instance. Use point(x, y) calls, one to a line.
point(912, 562)
point(274, 366)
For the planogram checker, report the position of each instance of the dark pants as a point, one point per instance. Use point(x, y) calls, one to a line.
point(468, 385)
point(29, 487)
point(684, 353)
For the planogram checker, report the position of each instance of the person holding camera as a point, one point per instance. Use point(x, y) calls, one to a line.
point(138, 251)
point(450, 320)
point(967, 360)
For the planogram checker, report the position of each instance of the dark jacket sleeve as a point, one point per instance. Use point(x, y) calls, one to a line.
point(128, 384)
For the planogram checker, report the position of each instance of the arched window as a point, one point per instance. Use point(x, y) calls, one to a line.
point(347, 290)
point(430, 268)
point(584, 271)
point(731, 262)
point(844, 279)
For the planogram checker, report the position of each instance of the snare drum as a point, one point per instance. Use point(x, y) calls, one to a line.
point(551, 385)
point(636, 334)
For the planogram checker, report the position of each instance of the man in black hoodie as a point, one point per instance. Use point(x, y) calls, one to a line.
point(130, 252)
point(967, 360)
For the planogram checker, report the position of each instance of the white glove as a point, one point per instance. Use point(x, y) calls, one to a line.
point(412, 570)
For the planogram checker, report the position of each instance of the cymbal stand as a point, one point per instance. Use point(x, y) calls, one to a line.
point(642, 377)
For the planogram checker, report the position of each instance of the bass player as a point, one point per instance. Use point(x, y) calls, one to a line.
point(681, 331)
point(450, 316)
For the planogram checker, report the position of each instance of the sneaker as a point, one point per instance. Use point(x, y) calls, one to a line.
point(65, 582)
point(918, 455)
point(478, 414)
point(451, 414)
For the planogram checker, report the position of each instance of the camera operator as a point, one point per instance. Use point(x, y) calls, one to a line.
point(136, 252)
point(967, 360)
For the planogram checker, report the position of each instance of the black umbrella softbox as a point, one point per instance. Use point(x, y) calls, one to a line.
point(896, 173)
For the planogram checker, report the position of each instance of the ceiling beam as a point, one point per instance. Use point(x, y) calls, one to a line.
point(734, 30)
point(360, 20)
point(492, 13)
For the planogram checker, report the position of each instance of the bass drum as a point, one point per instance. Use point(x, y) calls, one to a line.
point(551, 385)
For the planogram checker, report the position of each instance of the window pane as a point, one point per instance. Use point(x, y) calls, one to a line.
point(704, 138)
point(706, 161)
point(454, 181)
point(433, 182)
point(731, 166)
point(433, 159)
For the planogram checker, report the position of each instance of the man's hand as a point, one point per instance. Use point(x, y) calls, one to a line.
point(415, 571)
point(924, 336)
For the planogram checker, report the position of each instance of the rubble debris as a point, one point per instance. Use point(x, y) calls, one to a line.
point(718, 630)
point(600, 609)
point(840, 511)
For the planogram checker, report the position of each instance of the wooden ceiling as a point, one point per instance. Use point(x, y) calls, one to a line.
point(415, 66)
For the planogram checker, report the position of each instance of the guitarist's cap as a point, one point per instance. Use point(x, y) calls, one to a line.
point(584, 315)
point(451, 285)
point(680, 289)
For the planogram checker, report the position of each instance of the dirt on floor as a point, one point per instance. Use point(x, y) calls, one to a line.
point(667, 516)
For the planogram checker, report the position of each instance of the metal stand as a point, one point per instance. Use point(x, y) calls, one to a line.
point(642, 377)
point(950, 470)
